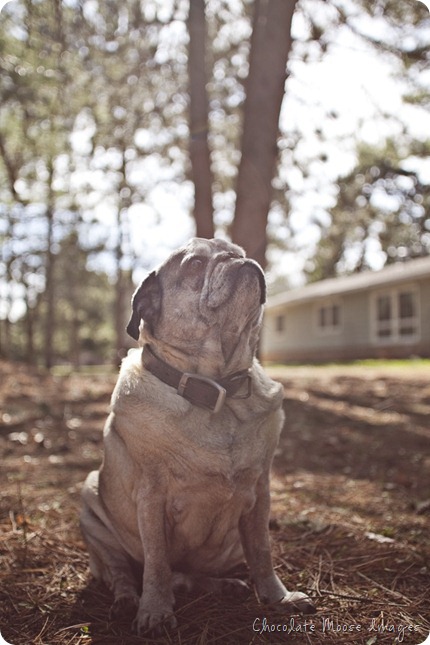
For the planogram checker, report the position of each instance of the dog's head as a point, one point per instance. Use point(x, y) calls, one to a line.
point(206, 298)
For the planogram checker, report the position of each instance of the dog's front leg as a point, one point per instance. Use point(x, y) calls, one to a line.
point(157, 600)
point(254, 532)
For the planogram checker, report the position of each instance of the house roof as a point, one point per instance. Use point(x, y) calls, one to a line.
point(393, 274)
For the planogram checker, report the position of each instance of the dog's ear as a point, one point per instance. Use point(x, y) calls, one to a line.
point(146, 305)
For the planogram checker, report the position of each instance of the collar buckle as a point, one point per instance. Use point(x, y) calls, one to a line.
point(248, 380)
point(207, 390)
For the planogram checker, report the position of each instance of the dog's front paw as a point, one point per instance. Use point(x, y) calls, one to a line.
point(271, 591)
point(295, 602)
point(124, 607)
point(153, 621)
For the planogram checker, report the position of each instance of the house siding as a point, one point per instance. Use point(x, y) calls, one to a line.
point(298, 337)
point(301, 341)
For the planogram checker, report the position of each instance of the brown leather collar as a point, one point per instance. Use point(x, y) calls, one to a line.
point(199, 390)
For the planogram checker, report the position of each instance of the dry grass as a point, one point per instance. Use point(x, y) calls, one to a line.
point(358, 544)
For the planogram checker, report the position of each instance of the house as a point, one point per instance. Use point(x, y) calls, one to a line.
point(374, 314)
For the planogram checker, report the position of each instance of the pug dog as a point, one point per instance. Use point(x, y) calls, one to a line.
point(182, 494)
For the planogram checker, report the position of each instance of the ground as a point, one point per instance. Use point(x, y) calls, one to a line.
point(350, 512)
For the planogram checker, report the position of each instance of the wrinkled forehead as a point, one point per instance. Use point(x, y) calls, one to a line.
point(203, 248)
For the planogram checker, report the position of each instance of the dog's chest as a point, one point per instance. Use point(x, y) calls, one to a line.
point(220, 466)
point(204, 505)
point(211, 490)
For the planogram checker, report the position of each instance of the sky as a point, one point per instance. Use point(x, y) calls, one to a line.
point(350, 80)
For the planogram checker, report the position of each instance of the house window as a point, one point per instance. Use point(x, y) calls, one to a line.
point(329, 318)
point(280, 324)
point(384, 316)
point(396, 315)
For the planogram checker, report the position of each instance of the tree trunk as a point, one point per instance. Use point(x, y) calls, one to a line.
point(49, 271)
point(5, 335)
point(29, 329)
point(49, 290)
point(119, 291)
point(122, 277)
point(270, 46)
point(7, 300)
point(198, 121)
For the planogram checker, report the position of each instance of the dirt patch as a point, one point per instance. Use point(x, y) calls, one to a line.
point(350, 514)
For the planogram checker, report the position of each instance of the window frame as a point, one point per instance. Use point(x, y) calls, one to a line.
point(395, 323)
point(326, 308)
point(280, 323)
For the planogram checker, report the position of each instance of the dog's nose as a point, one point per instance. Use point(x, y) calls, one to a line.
point(245, 263)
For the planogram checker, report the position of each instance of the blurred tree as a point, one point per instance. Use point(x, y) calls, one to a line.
point(260, 91)
point(35, 119)
point(84, 305)
point(270, 46)
point(81, 90)
point(261, 189)
point(199, 120)
point(83, 301)
point(383, 207)
point(97, 108)
point(132, 105)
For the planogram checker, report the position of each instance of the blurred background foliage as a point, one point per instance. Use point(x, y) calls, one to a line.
point(102, 104)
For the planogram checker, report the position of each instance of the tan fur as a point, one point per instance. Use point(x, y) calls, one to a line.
point(183, 491)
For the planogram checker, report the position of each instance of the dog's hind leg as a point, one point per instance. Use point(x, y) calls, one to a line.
point(109, 562)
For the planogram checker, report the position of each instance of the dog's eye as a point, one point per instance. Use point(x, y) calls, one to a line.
point(195, 264)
